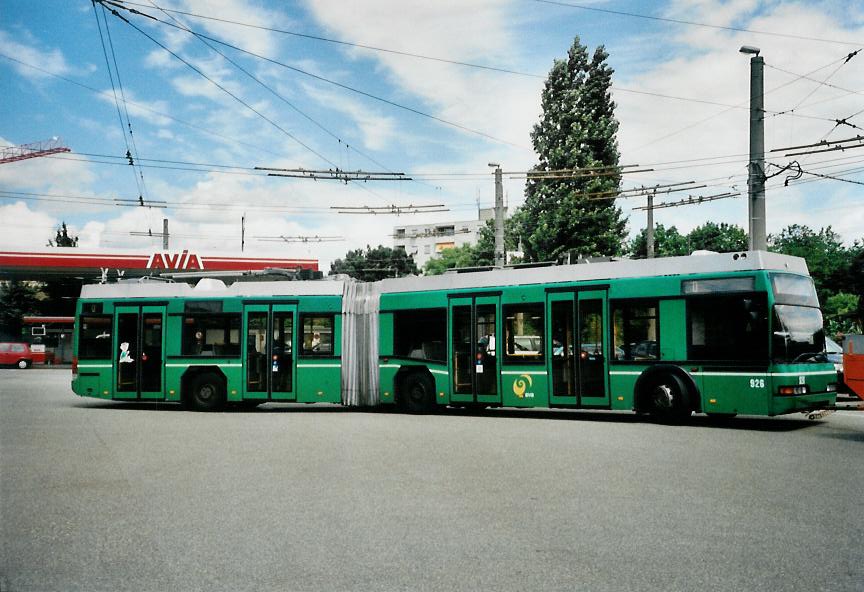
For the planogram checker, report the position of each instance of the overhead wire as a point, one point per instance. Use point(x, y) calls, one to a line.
point(138, 183)
point(694, 23)
point(220, 86)
point(334, 83)
point(271, 90)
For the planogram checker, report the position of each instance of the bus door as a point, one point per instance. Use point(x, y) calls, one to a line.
point(268, 351)
point(475, 366)
point(580, 348)
point(139, 369)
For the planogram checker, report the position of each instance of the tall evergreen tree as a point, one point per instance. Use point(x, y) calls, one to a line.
point(577, 130)
point(62, 238)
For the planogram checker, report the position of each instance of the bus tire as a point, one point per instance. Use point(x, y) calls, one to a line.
point(668, 398)
point(207, 392)
point(418, 393)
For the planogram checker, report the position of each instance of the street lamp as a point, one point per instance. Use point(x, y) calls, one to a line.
point(756, 167)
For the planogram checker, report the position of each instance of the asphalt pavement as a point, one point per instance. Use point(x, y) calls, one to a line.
point(116, 496)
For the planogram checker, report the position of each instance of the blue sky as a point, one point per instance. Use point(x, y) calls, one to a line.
point(60, 86)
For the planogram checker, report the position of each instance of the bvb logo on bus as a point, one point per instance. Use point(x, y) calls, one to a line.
point(521, 385)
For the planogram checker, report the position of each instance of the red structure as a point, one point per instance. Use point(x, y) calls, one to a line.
point(853, 364)
point(101, 265)
point(34, 150)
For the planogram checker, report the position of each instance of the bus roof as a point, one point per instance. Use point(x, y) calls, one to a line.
point(628, 268)
point(209, 288)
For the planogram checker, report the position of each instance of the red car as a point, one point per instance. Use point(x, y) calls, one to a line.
point(19, 354)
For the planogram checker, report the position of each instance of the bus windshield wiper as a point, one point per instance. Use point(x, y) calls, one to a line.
point(815, 356)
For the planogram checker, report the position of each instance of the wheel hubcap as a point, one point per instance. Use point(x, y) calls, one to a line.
point(205, 392)
point(663, 397)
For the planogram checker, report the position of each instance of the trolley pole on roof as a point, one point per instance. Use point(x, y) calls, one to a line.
point(500, 256)
point(649, 230)
point(165, 233)
point(756, 167)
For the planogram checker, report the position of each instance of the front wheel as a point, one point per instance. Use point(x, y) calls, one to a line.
point(668, 398)
point(23, 364)
point(208, 392)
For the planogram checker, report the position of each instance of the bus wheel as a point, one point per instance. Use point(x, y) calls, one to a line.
point(667, 398)
point(208, 392)
point(418, 393)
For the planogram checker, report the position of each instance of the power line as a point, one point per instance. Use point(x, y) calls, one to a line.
point(271, 90)
point(216, 84)
point(322, 79)
point(694, 23)
point(138, 183)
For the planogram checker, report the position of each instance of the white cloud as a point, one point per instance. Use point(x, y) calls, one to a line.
point(139, 109)
point(23, 228)
point(377, 130)
point(27, 50)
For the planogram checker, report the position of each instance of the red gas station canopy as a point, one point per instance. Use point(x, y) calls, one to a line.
point(111, 265)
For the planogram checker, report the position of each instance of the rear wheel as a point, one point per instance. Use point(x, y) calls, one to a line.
point(667, 398)
point(23, 364)
point(208, 392)
point(418, 393)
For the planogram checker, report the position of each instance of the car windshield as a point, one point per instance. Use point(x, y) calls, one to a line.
point(832, 347)
point(798, 334)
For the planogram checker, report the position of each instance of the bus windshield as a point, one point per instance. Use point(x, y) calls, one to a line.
point(798, 334)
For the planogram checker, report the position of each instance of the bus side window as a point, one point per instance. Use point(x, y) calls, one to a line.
point(317, 335)
point(635, 330)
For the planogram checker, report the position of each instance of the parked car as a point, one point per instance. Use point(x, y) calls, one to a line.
point(19, 355)
point(834, 353)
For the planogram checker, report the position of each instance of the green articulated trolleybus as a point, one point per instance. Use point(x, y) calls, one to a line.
point(722, 334)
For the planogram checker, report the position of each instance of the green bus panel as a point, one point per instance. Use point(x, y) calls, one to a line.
point(319, 381)
point(524, 386)
point(673, 330)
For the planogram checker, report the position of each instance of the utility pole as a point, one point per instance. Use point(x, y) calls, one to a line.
point(165, 233)
point(649, 231)
point(756, 167)
point(500, 255)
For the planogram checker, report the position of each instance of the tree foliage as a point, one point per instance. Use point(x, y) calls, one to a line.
point(62, 238)
point(375, 264)
point(464, 256)
point(668, 242)
point(577, 130)
point(17, 299)
point(830, 262)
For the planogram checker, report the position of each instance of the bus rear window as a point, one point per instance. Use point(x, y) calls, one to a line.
point(94, 337)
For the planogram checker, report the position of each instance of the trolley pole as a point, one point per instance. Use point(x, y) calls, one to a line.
point(165, 233)
point(500, 256)
point(649, 231)
point(756, 167)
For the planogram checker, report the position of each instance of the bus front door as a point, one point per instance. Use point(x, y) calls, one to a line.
point(139, 352)
point(268, 351)
point(580, 348)
point(474, 360)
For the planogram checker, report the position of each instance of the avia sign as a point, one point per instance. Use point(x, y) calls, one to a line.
point(175, 260)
